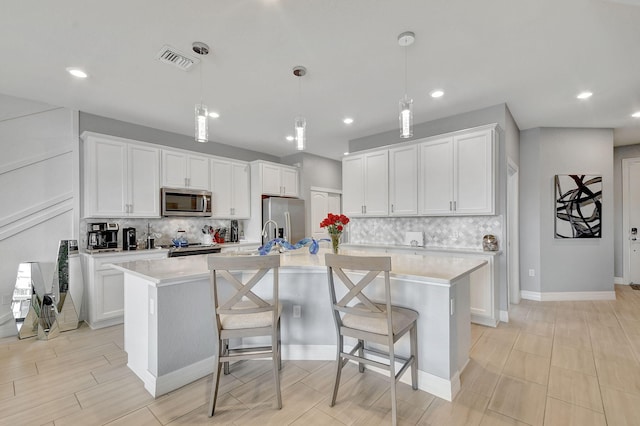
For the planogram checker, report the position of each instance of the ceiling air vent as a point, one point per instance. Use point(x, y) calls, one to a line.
point(176, 58)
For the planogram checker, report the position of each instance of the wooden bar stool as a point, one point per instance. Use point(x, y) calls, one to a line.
point(245, 314)
point(370, 321)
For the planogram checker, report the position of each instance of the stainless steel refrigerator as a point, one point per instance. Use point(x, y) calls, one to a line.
point(288, 215)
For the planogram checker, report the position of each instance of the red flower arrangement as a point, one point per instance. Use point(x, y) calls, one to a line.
point(335, 224)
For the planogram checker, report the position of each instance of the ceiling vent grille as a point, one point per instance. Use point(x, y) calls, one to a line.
point(176, 58)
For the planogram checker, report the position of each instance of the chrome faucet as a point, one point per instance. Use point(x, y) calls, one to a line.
point(264, 228)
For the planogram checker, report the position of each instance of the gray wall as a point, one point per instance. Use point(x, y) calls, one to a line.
point(529, 207)
point(564, 265)
point(619, 234)
point(512, 138)
point(494, 114)
point(314, 171)
point(109, 126)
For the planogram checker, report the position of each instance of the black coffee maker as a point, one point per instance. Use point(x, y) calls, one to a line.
point(129, 241)
point(102, 236)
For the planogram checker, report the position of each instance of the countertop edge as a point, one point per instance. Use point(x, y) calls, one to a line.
point(425, 249)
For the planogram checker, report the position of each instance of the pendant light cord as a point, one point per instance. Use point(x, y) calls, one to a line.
point(202, 66)
point(405, 71)
point(300, 96)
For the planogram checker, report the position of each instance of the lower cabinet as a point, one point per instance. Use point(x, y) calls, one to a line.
point(105, 285)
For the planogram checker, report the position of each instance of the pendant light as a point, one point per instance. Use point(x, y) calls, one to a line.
point(300, 124)
point(406, 104)
point(201, 116)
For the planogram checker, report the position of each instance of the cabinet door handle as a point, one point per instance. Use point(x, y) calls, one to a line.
point(450, 205)
point(130, 208)
point(455, 207)
point(391, 208)
point(365, 209)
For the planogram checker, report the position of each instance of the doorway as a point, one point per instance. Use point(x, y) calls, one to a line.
point(631, 219)
point(323, 201)
point(513, 242)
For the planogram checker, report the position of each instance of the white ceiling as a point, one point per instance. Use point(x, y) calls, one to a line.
point(533, 55)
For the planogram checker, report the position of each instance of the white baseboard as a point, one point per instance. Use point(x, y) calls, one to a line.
point(568, 296)
point(304, 352)
point(156, 386)
point(504, 316)
point(478, 319)
point(619, 280)
point(442, 388)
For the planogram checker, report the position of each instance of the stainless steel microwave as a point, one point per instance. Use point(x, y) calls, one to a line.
point(185, 202)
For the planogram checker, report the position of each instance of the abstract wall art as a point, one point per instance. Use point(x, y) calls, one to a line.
point(578, 206)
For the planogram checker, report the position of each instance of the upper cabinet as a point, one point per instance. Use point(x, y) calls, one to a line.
point(447, 175)
point(277, 179)
point(456, 175)
point(365, 184)
point(183, 170)
point(403, 181)
point(121, 177)
point(230, 189)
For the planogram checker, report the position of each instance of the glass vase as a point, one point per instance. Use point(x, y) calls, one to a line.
point(335, 242)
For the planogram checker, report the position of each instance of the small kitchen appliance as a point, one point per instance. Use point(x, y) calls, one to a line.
point(102, 236)
point(129, 241)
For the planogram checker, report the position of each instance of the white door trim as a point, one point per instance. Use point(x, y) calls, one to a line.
point(626, 162)
point(513, 240)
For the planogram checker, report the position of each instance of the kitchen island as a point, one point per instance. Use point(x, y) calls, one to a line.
point(168, 327)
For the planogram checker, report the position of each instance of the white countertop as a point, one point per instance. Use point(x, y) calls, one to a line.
point(443, 270)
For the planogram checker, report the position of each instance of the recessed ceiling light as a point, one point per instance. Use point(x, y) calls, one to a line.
point(346, 153)
point(584, 95)
point(437, 93)
point(636, 114)
point(77, 72)
point(214, 115)
point(347, 120)
point(290, 138)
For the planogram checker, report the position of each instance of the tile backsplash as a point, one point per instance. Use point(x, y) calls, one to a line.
point(164, 229)
point(450, 232)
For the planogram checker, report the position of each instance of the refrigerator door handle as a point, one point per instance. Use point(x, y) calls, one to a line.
point(287, 226)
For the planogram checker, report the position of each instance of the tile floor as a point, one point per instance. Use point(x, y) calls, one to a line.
point(554, 363)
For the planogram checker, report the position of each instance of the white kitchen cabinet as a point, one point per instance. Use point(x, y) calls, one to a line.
point(105, 285)
point(403, 181)
point(230, 189)
point(121, 178)
point(456, 174)
point(184, 170)
point(365, 184)
point(278, 180)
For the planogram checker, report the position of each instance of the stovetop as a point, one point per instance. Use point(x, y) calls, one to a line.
point(192, 249)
